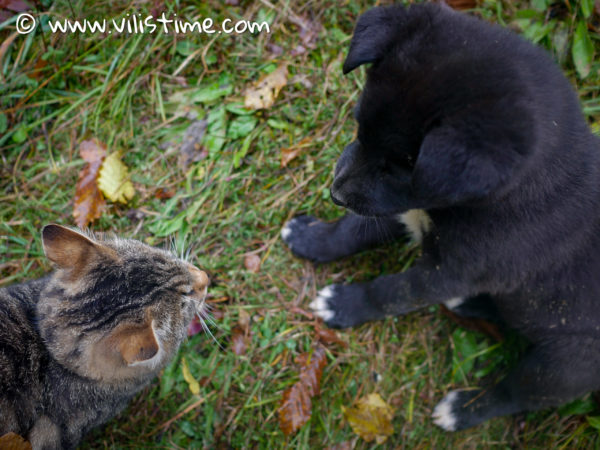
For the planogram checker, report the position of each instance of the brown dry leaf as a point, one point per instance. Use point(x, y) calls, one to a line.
point(290, 153)
point(89, 201)
point(240, 334)
point(12, 441)
point(328, 336)
point(264, 92)
point(296, 403)
point(164, 194)
point(371, 418)
point(252, 263)
point(244, 319)
point(475, 324)
point(461, 4)
point(239, 340)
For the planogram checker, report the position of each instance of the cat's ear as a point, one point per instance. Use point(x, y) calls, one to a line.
point(137, 344)
point(67, 248)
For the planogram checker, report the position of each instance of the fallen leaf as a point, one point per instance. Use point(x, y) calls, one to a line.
point(296, 403)
point(88, 200)
point(194, 327)
point(12, 441)
point(189, 378)
point(244, 319)
point(275, 49)
point(191, 149)
point(217, 313)
point(308, 32)
point(113, 179)
point(328, 336)
point(252, 263)
point(475, 324)
point(461, 4)
point(264, 92)
point(371, 418)
point(164, 194)
point(14, 5)
point(240, 334)
point(239, 340)
point(290, 153)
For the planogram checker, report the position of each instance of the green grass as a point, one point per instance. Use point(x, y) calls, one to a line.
point(121, 90)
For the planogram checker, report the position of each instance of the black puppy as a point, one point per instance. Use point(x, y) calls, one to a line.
point(472, 137)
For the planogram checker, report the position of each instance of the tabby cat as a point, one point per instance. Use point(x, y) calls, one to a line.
point(77, 345)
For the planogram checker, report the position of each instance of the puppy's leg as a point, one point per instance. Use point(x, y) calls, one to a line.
point(320, 241)
point(478, 307)
point(550, 375)
point(425, 284)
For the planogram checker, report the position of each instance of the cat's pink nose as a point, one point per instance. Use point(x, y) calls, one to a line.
point(200, 278)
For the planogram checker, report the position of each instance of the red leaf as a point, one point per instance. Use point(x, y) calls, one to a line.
point(195, 327)
point(14, 5)
point(89, 201)
point(296, 403)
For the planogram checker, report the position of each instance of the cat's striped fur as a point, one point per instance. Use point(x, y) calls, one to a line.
point(76, 345)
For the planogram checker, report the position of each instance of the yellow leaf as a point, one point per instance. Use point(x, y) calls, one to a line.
point(264, 92)
point(113, 179)
point(371, 418)
point(12, 441)
point(189, 378)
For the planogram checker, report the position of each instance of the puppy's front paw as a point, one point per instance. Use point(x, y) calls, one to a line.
point(457, 410)
point(307, 238)
point(343, 306)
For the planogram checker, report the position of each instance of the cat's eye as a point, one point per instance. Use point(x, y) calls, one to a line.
point(188, 292)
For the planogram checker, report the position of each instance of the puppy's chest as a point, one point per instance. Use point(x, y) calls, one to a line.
point(417, 222)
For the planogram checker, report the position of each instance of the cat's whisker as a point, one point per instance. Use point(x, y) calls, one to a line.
point(212, 322)
point(207, 330)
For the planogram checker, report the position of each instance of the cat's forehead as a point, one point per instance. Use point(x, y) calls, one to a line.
point(132, 248)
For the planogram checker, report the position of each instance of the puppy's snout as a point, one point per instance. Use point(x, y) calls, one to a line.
point(336, 199)
point(342, 173)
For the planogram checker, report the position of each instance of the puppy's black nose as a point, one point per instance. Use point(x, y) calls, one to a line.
point(336, 200)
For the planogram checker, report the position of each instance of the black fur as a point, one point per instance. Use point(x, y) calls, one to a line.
point(478, 127)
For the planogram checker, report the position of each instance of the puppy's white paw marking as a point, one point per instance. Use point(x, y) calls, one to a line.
point(442, 414)
point(286, 231)
point(325, 314)
point(454, 302)
point(319, 304)
point(325, 293)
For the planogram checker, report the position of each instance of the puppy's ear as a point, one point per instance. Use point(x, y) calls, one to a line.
point(373, 34)
point(451, 169)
